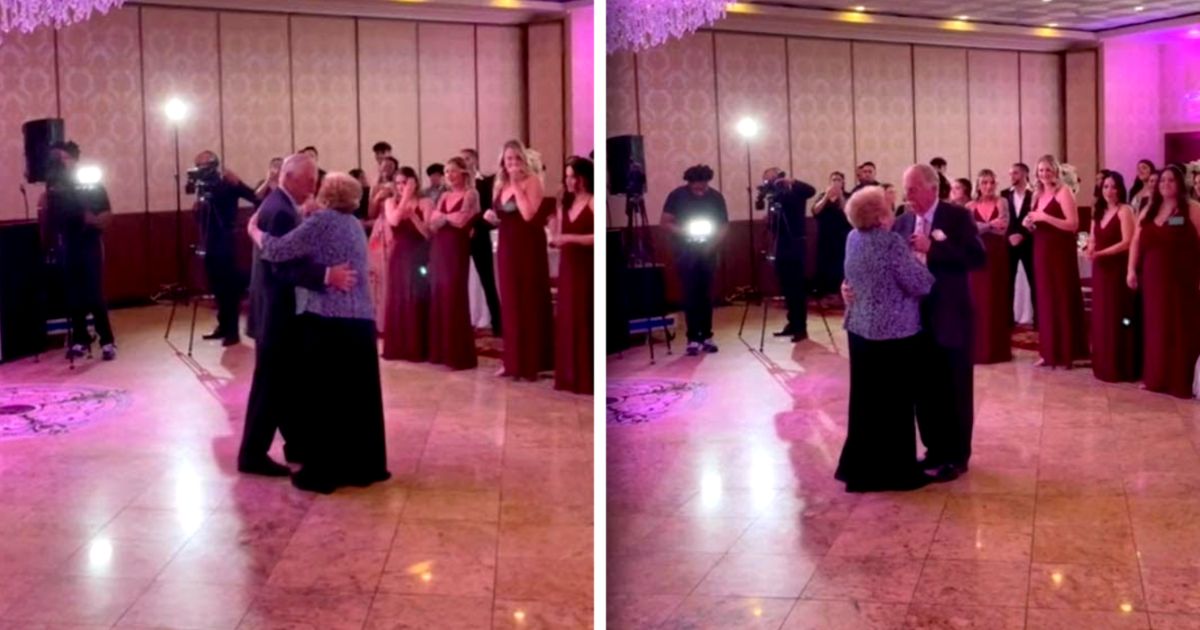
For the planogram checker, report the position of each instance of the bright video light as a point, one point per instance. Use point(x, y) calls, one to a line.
point(175, 109)
point(700, 229)
point(747, 128)
point(88, 175)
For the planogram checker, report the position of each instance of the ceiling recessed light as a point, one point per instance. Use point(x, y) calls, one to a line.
point(963, 18)
point(1139, 8)
point(1053, 25)
point(860, 8)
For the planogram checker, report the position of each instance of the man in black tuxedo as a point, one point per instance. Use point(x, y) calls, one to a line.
point(273, 400)
point(481, 238)
point(786, 217)
point(1020, 240)
point(945, 237)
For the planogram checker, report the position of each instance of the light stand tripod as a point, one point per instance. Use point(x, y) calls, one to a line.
point(641, 258)
point(775, 217)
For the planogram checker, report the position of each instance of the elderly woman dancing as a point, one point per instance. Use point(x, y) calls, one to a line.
point(345, 430)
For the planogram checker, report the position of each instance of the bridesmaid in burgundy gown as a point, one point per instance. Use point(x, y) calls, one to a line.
point(405, 335)
point(573, 321)
point(1165, 262)
point(989, 285)
point(1058, 296)
point(524, 265)
point(1113, 305)
point(451, 336)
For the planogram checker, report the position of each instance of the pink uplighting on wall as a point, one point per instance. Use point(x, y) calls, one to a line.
point(582, 73)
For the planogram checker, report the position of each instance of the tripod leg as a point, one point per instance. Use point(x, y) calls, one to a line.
point(171, 319)
point(192, 333)
point(666, 332)
point(745, 312)
point(650, 341)
point(762, 336)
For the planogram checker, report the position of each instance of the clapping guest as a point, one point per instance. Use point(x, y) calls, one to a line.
point(524, 265)
point(340, 390)
point(832, 228)
point(882, 323)
point(1165, 263)
point(1113, 303)
point(271, 181)
point(989, 285)
point(379, 243)
point(1058, 292)
point(573, 234)
point(451, 336)
point(407, 315)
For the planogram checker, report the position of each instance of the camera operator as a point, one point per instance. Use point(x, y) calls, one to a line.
point(217, 192)
point(786, 200)
point(696, 217)
point(76, 214)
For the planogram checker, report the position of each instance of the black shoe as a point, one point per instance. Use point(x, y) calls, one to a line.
point(312, 483)
point(266, 467)
point(787, 330)
point(948, 472)
point(231, 341)
point(216, 334)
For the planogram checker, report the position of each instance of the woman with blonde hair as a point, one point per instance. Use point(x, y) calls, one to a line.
point(1058, 294)
point(451, 337)
point(989, 285)
point(524, 264)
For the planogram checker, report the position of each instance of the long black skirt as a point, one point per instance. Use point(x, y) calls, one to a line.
point(881, 438)
point(344, 435)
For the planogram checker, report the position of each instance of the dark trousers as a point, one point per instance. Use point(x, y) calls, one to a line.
point(481, 253)
point(789, 268)
point(696, 274)
point(225, 283)
point(945, 401)
point(85, 296)
point(1023, 254)
point(273, 389)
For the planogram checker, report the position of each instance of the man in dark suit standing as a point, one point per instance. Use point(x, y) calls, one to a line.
point(786, 219)
point(273, 400)
point(1020, 240)
point(481, 238)
point(945, 237)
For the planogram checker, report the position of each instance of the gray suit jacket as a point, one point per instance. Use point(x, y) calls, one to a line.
point(946, 312)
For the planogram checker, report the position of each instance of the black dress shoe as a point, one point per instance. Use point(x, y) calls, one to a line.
point(948, 472)
point(266, 467)
point(785, 332)
point(313, 483)
point(216, 334)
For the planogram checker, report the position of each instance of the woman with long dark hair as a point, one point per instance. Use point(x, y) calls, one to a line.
point(1058, 293)
point(1113, 305)
point(451, 336)
point(989, 285)
point(1141, 200)
point(405, 332)
point(1142, 180)
point(1164, 262)
point(832, 228)
point(573, 321)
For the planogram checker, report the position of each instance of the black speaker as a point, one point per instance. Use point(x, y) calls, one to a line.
point(39, 135)
point(623, 153)
point(22, 298)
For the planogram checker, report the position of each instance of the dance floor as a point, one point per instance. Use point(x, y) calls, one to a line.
point(123, 508)
point(1081, 508)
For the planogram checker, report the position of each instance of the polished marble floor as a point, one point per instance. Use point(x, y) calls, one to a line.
point(139, 520)
point(1081, 509)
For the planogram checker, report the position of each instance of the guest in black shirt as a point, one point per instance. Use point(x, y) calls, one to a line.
point(216, 211)
point(786, 202)
point(866, 176)
point(481, 238)
point(696, 217)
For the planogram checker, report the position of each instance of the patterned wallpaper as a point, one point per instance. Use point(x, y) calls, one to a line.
point(1081, 120)
point(1132, 128)
point(261, 85)
point(546, 112)
point(1179, 86)
point(940, 87)
point(995, 110)
point(846, 102)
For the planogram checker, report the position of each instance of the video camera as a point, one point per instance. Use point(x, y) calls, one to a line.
point(201, 180)
point(771, 188)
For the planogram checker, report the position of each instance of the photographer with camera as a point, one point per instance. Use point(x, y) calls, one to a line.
point(75, 212)
point(696, 217)
point(217, 192)
point(786, 199)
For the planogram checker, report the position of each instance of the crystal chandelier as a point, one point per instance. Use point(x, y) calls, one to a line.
point(640, 24)
point(26, 15)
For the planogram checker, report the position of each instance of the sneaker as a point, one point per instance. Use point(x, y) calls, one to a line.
point(693, 348)
point(77, 351)
point(108, 351)
point(709, 346)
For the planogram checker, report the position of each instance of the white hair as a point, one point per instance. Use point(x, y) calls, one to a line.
point(927, 173)
point(296, 162)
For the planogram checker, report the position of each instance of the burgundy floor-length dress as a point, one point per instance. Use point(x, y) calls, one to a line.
point(1114, 340)
point(451, 336)
point(1058, 294)
point(989, 296)
point(406, 330)
point(573, 321)
point(524, 293)
point(1170, 283)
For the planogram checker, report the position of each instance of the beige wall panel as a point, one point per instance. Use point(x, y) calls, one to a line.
point(621, 94)
point(677, 101)
point(1041, 106)
point(883, 108)
point(940, 87)
point(749, 68)
point(255, 91)
point(387, 83)
point(546, 105)
point(100, 84)
point(822, 109)
point(995, 110)
point(1081, 123)
point(447, 79)
point(26, 93)
point(324, 91)
point(501, 90)
point(180, 53)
